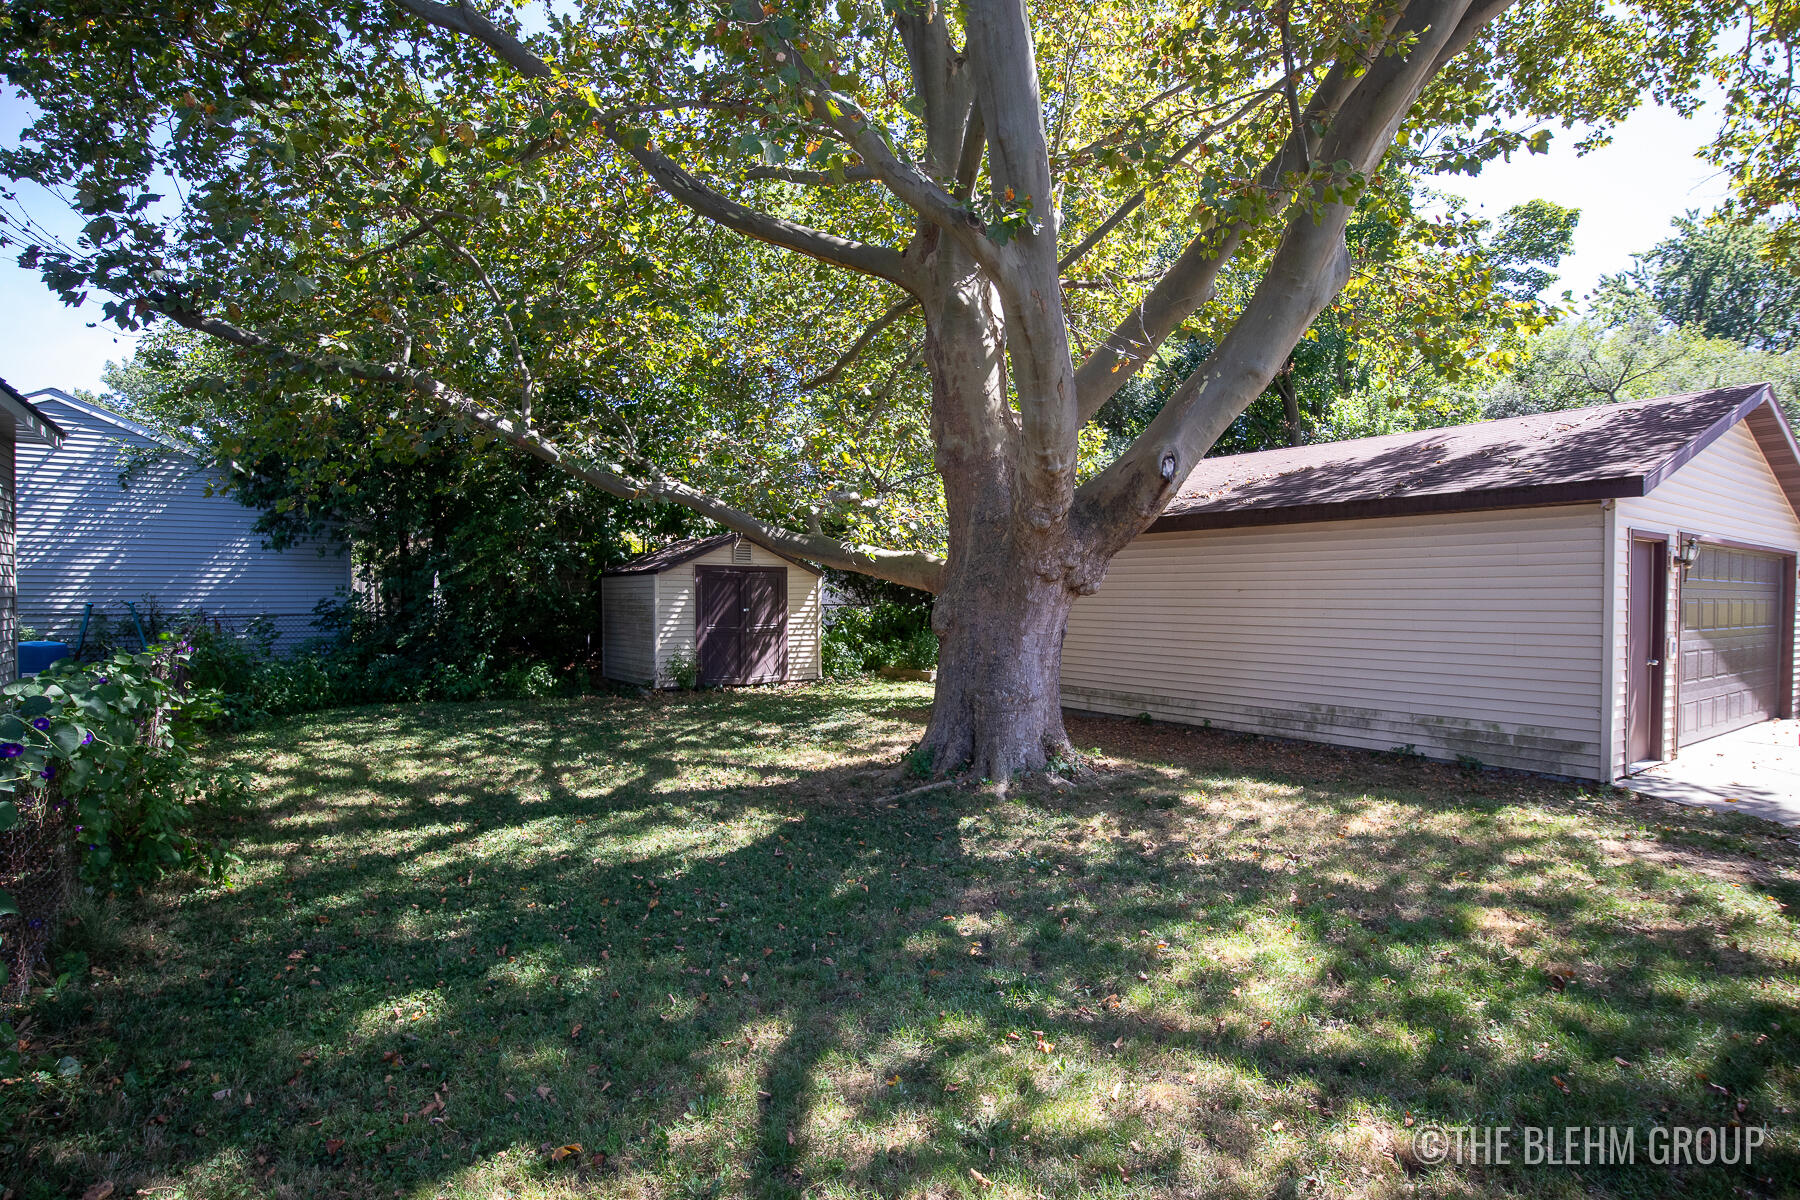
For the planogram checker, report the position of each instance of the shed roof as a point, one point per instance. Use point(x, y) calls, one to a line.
point(676, 553)
point(1594, 453)
point(29, 424)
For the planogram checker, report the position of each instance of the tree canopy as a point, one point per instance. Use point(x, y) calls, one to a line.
point(1722, 278)
point(507, 211)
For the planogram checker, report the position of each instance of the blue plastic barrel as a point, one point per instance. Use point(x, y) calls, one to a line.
point(35, 656)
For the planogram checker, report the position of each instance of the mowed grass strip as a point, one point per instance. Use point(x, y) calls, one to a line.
point(700, 939)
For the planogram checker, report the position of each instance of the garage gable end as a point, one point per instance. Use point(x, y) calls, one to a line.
point(1731, 609)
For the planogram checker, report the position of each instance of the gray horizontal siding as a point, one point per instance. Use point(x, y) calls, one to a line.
point(83, 537)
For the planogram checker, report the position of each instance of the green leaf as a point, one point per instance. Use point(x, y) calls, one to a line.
point(9, 815)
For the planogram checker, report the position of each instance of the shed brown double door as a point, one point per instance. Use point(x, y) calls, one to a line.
point(1734, 612)
point(740, 624)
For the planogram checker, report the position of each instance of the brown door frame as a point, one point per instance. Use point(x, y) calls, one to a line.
point(1658, 639)
point(741, 674)
point(1785, 669)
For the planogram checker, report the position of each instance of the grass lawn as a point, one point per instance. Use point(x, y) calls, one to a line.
point(701, 939)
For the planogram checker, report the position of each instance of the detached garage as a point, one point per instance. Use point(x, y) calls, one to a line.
point(739, 611)
point(1583, 593)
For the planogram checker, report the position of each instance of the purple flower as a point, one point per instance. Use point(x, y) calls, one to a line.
point(87, 739)
point(40, 722)
point(49, 771)
point(11, 749)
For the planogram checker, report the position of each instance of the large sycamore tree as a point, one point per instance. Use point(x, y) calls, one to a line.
point(797, 264)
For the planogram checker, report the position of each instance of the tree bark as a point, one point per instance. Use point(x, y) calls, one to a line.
point(1290, 402)
point(1000, 627)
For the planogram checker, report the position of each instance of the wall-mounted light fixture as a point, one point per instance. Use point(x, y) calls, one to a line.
point(1689, 554)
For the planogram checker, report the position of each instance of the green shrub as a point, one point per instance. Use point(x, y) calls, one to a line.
point(684, 669)
point(530, 681)
point(917, 652)
point(116, 738)
point(883, 634)
point(254, 683)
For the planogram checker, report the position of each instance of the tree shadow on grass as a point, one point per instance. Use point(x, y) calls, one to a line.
point(704, 942)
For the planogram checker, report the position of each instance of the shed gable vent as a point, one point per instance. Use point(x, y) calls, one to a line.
point(740, 551)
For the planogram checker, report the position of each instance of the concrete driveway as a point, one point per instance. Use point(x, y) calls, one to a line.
point(1754, 770)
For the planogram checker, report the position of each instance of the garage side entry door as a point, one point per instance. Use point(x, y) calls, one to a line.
point(741, 624)
point(1731, 641)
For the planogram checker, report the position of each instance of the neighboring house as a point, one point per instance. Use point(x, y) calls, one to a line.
point(1580, 593)
point(122, 515)
point(21, 424)
point(739, 611)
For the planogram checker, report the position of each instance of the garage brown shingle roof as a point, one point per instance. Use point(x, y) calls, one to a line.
point(1563, 457)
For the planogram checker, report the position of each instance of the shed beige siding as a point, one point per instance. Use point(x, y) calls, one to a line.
point(1475, 634)
point(676, 602)
point(628, 628)
point(1727, 491)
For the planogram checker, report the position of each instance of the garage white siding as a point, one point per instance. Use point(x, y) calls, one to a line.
point(1727, 491)
point(1476, 634)
point(83, 537)
point(676, 601)
point(628, 632)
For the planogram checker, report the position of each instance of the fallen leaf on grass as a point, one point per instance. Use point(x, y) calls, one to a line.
point(978, 1177)
point(543, 1091)
point(100, 1191)
point(1622, 1062)
point(576, 1031)
point(334, 1145)
point(572, 1150)
point(1560, 1085)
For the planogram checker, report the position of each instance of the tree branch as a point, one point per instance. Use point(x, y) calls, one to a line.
point(880, 261)
point(461, 19)
point(1189, 282)
point(1037, 330)
point(912, 568)
point(1310, 266)
point(855, 173)
point(683, 187)
point(836, 370)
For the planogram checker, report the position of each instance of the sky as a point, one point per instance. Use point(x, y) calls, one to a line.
point(1627, 192)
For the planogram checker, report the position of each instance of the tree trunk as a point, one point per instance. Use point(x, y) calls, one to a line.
point(1290, 403)
point(999, 705)
point(1006, 595)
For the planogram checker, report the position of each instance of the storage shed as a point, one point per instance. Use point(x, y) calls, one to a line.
point(1581, 593)
point(740, 611)
point(121, 515)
